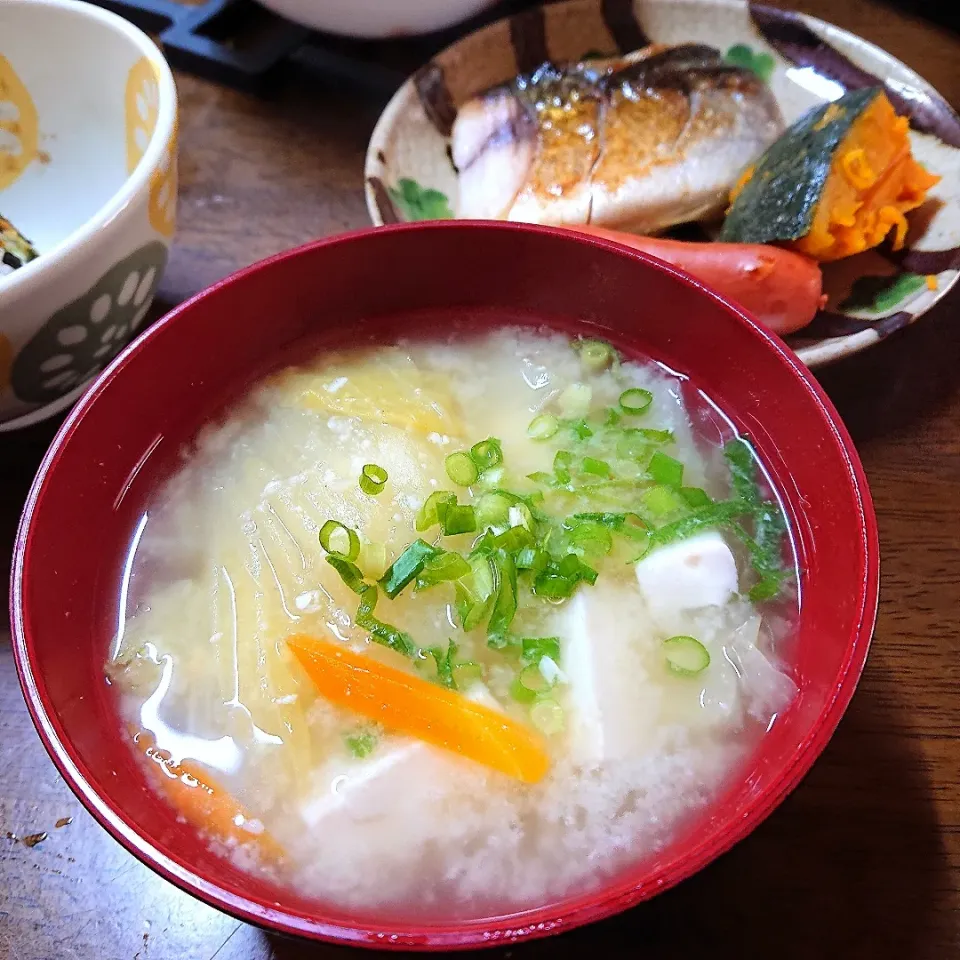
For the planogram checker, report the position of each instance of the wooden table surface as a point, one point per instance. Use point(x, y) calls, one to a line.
point(863, 860)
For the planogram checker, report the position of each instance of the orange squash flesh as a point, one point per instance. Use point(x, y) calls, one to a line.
point(204, 804)
point(874, 180)
point(407, 704)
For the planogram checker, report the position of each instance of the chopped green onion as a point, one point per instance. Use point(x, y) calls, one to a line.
point(543, 427)
point(428, 515)
point(657, 436)
point(743, 469)
point(561, 465)
point(579, 428)
point(445, 664)
point(596, 355)
point(612, 520)
point(505, 600)
point(704, 518)
point(634, 528)
point(520, 693)
point(665, 470)
point(695, 496)
point(574, 400)
point(559, 580)
point(442, 568)
point(686, 656)
point(487, 454)
point(632, 444)
point(339, 540)
point(372, 479)
point(461, 469)
point(474, 592)
point(361, 744)
point(349, 572)
point(547, 716)
point(406, 567)
point(546, 479)
point(456, 518)
point(534, 649)
point(531, 678)
point(380, 632)
point(467, 673)
point(590, 537)
point(635, 400)
point(492, 510)
point(532, 559)
point(613, 418)
point(373, 559)
point(514, 540)
point(661, 503)
point(596, 468)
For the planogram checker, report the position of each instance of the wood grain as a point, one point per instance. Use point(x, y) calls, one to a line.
point(863, 860)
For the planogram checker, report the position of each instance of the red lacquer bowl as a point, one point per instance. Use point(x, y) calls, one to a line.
point(125, 433)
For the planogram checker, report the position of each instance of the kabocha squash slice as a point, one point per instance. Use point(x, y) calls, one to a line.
point(838, 182)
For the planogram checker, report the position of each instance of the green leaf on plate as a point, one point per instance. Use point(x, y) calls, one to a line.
point(419, 203)
point(762, 64)
point(882, 295)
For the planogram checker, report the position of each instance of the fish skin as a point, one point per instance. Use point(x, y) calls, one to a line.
point(641, 142)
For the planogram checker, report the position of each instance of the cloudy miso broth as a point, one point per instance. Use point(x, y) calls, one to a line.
point(455, 626)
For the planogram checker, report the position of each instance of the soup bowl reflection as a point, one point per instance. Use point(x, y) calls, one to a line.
point(76, 530)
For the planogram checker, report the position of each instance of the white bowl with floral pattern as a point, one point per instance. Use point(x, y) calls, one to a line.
point(88, 120)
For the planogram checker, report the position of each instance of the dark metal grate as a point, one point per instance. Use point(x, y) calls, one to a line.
point(239, 43)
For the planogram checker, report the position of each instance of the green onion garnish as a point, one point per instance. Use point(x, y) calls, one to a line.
point(661, 503)
point(428, 515)
point(372, 479)
point(534, 649)
point(456, 518)
point(520, 693)
point(492, 510)
point(695, 496)
point(514, 540)
point(561, 465)
point(487, 454)
point(596, 468)
point(686, 656)
point(445, 664)
point(532, 559)
point(461, 469)
point(505, 601)
point(665, 470)
point(474, 593)
point(547, 716)
point(406, 567)
point(596, 355)
point(591, 537)
point(361, 744)
point(635, 400)
point(446, 566)
point(380, 632)
point(579, 428)
point(531, 678)
point(349, 572)
point(543, 427)
point(339, 540)
point(373, 559)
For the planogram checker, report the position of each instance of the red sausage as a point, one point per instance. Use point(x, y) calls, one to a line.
point(782, 289)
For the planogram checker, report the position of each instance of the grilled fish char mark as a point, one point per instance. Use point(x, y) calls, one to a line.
point(644, 141)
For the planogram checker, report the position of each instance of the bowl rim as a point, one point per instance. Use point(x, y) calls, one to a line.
point(603, 901)
point(135, 182)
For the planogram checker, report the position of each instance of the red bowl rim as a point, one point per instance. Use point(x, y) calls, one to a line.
point(602, 902)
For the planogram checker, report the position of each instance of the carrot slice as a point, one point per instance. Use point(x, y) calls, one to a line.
point(202, 802)
point(407, 704)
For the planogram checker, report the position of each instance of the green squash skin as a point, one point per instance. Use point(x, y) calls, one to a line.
point(780, 199)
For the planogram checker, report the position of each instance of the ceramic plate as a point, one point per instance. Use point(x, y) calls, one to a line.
point(410, 176)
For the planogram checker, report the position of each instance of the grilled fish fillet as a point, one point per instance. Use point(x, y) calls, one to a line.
point(640, 143)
